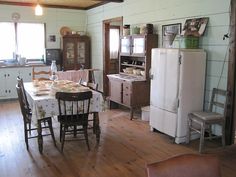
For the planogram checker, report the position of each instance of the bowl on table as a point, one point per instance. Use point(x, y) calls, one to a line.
point(142, 73)
point(137, 71)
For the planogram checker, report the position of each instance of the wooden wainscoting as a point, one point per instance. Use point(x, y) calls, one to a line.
point(125, 148)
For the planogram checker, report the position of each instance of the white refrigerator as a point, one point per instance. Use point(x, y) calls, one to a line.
point(177, 88)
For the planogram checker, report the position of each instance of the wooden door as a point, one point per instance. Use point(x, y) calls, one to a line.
point(110, 66)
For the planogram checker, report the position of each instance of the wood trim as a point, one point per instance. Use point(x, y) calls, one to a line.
point(110, 0)
point(113, 20)
point(106, 52)
point(43, 5)
point(231, 106)
point(102, 2)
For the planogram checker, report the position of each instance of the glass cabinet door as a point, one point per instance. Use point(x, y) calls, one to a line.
point(70, 53)
point(80, 53)
point(125, 46)
point(138, 45)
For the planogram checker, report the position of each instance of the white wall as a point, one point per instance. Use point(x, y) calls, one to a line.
point(138, 12)
point(161, 12)
point(52, 17)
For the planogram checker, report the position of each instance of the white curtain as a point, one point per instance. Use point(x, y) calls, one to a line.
point(114, 43)
point(31, 40)
point(7, 41)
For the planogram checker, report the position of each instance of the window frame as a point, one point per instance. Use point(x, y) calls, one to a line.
point(16, 55)
point(118, 28)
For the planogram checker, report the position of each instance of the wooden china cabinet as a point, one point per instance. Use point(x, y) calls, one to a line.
point(76, 52)
point(131, 87)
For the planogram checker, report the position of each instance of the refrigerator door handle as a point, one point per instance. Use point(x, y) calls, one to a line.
point(150, 73)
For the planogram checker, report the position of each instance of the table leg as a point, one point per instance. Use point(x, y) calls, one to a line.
point(40, 137)
point(131, 113)
point(97, 127)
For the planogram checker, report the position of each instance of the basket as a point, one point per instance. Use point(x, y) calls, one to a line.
point(189, 42)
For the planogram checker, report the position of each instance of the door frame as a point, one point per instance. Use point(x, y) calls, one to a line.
point(106, 51)
point(231, 84)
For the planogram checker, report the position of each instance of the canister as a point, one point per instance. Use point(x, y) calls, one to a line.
point(126, 30)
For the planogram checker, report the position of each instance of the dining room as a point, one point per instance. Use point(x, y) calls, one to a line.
point(100, 96)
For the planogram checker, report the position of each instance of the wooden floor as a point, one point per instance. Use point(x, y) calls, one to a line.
point(125, 148)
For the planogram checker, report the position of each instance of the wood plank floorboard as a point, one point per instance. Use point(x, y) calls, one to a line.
point(125, 148)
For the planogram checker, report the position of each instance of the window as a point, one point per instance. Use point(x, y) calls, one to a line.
point(7, 41)
point(22, 39)
point(114, 42)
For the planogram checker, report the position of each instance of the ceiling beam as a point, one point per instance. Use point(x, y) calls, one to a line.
point(110, 0)
point(43, 5)
point(102, 2)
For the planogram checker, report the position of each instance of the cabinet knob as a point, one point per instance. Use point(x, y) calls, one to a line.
point(8, 75)
point(9, 91)
point(5, 91)
point(5, 75)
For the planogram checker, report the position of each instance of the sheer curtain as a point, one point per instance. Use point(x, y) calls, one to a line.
point(7, 41)
point(114, 43)
point(31, 40)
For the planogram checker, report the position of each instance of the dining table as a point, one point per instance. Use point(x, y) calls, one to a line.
point(41, 98)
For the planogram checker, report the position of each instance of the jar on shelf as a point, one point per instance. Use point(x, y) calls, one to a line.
point(126, 30)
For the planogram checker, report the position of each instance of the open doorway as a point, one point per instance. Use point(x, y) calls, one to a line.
point(111, 38)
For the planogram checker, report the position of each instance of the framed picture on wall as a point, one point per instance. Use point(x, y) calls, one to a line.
point(171, 29)
point(195, 26)
point(169, 32)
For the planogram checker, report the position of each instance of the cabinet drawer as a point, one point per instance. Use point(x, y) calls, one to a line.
point(126, 87)
point(127, 99)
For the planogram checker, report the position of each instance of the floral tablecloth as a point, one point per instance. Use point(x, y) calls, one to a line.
point(44, 104)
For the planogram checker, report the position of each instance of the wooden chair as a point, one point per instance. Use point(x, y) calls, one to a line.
point(73, 114)
point(41, 75)
point(205, 119)
point(91, 85)
point(26, 113)
point(187, 165)
point(21, 85)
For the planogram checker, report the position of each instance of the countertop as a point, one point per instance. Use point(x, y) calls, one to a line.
point(17, 65)
point(127, 77)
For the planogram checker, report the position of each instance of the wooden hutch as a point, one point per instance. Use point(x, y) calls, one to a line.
point(131, 87)
point(76, 52)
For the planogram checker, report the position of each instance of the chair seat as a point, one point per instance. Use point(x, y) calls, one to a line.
point(202, 121)
point(208, 116)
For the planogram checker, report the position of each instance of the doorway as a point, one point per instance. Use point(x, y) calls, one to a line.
point(111, 30)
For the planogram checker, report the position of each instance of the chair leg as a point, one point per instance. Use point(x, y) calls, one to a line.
point(223, 134)
point(86, 136)
point(210, 132)
point(60, 131)
point(202, 137)
point(188, 130)
point(75, 130)
point(26, 136)
point(40, 137)
point(29, 127)
point(94, 123)
point(51, 130)
point(63, 137)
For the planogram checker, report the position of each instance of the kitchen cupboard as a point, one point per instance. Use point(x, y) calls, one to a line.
point(131, 87)
point(135, 54)
point(8, 77)
point(76, 52)
point(129, 92)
